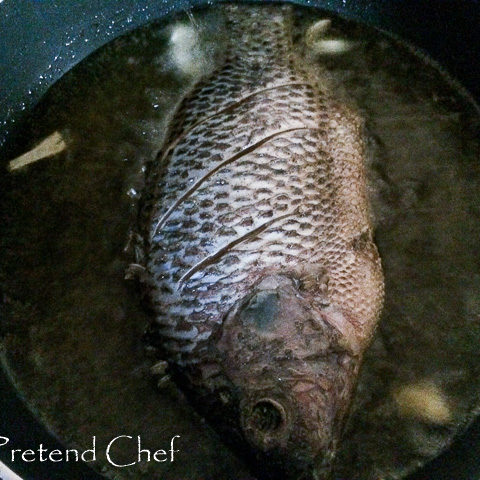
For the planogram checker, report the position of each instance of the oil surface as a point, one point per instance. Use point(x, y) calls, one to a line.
point(71, 338)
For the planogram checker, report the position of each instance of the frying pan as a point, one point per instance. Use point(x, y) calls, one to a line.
point(40, 40)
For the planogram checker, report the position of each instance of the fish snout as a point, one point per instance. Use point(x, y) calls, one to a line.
point(289, 438)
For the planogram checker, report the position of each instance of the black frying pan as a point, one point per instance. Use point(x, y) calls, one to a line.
point(40, 40)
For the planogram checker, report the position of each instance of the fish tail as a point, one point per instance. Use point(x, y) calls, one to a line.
point(256, 33)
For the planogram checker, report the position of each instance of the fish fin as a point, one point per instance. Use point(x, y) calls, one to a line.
point(159, 368)
point(166, 385)
point(163, 381)
point(134, 246)
point(135, 271)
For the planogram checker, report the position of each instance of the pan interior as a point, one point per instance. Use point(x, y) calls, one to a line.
point(71, 336)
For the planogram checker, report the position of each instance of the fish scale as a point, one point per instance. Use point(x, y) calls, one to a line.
point(261, 172)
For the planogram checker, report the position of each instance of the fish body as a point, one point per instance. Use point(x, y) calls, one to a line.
point(260, 265)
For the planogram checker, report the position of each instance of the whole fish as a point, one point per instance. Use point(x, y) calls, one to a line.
point(260, 267)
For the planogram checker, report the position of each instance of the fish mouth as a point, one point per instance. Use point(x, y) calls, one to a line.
point(267, 416)
point(266, 423)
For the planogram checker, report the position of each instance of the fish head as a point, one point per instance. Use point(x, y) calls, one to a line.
point(293, 373)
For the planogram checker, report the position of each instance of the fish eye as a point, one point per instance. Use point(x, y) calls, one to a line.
point(267, 416)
